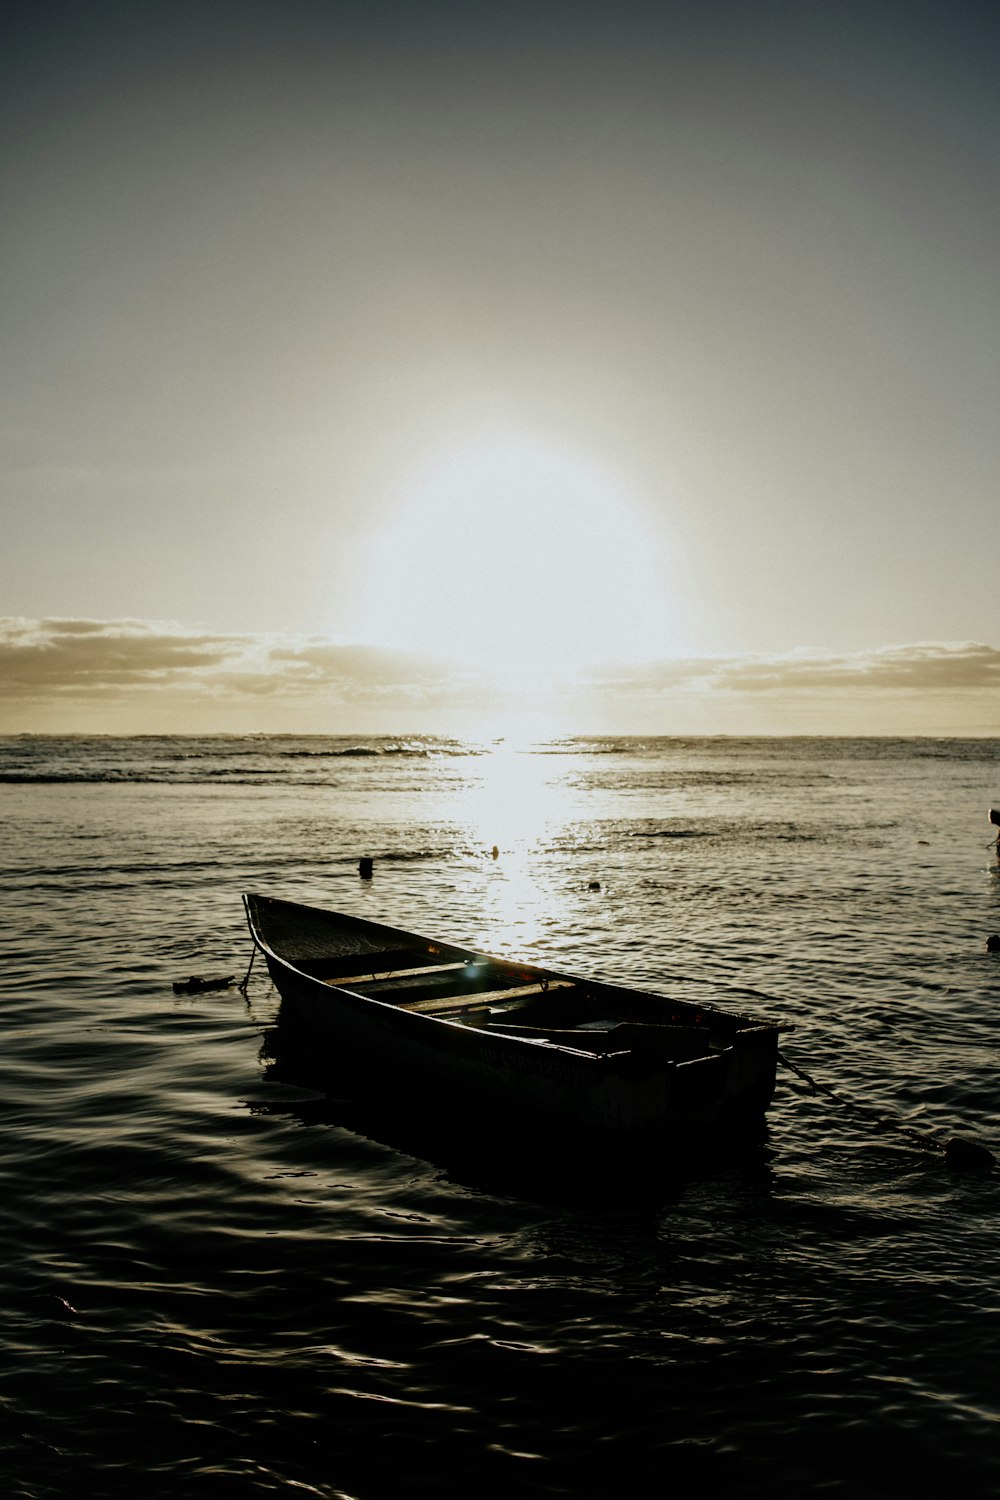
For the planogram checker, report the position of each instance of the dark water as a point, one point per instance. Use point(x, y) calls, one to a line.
point(219, 1277)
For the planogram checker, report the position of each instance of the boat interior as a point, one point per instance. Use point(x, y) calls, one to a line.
point(489, 994)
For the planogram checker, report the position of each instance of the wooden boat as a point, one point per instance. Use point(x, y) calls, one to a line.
point(449, 1024)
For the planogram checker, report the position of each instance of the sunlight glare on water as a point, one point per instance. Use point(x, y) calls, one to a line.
point(520, 803)
point(517, 797)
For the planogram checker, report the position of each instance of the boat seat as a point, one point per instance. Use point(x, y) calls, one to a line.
point(379, 976)
point(442, 1004)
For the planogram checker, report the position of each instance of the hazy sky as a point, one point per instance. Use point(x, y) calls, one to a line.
point(403, 367)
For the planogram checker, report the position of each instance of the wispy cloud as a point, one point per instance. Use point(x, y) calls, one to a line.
point(60, 673)
point(924, 667)
point(93, 656)
point(105, 658)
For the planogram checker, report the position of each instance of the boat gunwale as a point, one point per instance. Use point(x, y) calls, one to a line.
point(723, 1079)
point(745, 1023)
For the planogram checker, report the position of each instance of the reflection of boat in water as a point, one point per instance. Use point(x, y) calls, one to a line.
point(512, 1042)
point(365, 1115)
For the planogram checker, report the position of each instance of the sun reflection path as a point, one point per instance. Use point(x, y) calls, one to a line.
point(519, 796)
point(522, 802)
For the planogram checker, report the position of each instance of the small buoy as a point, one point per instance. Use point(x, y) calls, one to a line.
point(495, 852)
point(993, 943)
point(995, 816)
point(365, 868)
point(595, 885)
point(967, 1156)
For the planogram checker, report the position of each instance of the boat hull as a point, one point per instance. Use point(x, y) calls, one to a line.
point(443, 1064)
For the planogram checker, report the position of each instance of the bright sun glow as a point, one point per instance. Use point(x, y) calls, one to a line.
point(520, 560)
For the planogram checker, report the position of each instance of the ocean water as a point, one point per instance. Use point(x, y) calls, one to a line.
point(224, 1273)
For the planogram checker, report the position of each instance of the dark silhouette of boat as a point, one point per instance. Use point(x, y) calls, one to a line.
point(466, 1030)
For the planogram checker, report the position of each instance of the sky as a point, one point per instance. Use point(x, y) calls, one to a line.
point(423, 368)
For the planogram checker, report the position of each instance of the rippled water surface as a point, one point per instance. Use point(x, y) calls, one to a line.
point(223, 1274)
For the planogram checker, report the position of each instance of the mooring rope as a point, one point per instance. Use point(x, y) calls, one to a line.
point(957, 1152)
point(246, 978)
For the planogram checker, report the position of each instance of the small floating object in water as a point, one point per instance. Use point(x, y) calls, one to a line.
point(595, 885)
point(995, 816)
point(365, 867)
point(967, 1156)
point(993, 943)
point(198, 982)
point(495, 852)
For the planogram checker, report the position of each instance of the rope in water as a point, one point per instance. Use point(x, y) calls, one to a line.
point(246, 978)
point(925, 1142)
point(957, 1152)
